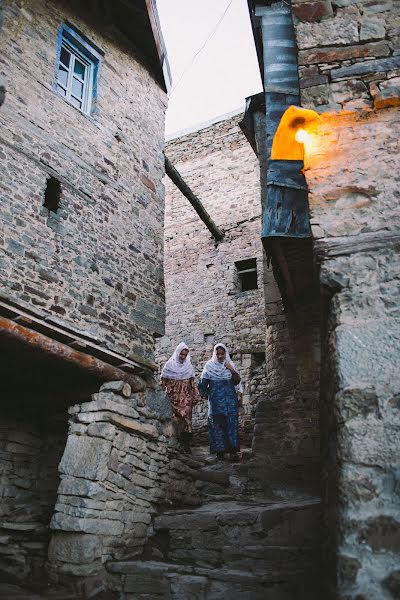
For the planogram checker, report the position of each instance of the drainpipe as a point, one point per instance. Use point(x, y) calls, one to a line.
point(284, 189)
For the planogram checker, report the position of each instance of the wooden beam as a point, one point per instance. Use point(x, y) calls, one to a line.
point(326, 248)
point(180, 183)
point(68, 336)
point(94, 366)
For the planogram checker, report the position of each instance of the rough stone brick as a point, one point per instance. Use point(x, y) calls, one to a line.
point(381, 533)
point(392, 583)
point(372, 28)
point(315, 95)
point(388, 97)
point(75, 548)
point(85, 457)
point(341, 30)
point(311, 77)
point(340, 53)
point(313, 11)
point(367, 67)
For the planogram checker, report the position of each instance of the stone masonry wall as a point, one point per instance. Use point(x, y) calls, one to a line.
point(120, 466)
point(349, 52)
point(30, 453)
point(204, 301)
point(286, 432)
point(349, 59)
point(352, 166)
point(96, 263)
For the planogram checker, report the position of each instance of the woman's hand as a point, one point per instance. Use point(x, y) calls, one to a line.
point(235, 374)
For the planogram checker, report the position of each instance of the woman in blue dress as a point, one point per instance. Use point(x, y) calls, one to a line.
point(219, 380)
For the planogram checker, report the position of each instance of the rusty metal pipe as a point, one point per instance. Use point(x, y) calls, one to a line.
point(90, 364)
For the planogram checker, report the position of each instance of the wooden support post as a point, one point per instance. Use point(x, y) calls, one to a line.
point(180, 183)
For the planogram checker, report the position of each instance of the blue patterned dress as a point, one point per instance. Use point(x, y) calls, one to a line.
point(223, 414)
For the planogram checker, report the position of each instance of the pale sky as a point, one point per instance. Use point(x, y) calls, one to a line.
point(223, 74)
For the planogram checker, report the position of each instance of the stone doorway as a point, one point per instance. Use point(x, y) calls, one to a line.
point(31, 449)
point(37, 390)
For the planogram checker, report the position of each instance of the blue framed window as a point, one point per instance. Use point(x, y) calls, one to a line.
point(78, 64)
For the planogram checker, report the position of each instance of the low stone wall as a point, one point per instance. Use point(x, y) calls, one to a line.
point(30, 453)
point(119, 467)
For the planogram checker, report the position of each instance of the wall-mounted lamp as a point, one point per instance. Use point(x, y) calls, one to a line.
point(286, 209)
point(292, 135)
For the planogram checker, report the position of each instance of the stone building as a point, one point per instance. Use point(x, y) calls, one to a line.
point(82, 293)
point(341, 59)
point(214, 290)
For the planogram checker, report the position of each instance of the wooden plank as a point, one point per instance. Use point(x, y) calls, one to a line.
point(78, 344)
point(23, 319)
point(55, 332)
point(38, 342)
point(326, 248)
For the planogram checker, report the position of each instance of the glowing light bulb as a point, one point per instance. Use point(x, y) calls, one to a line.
point(302, 136)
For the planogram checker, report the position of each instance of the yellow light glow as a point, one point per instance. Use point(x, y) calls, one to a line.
point(302, 136)
point(292, 138)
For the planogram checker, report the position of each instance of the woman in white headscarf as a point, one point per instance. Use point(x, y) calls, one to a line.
point(220, 380)
point(177, 378)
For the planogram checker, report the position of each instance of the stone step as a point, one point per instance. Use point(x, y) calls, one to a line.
point(145, 580)
point(14, 592)
point(226, 532)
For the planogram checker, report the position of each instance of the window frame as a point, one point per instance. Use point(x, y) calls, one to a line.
point(85, 51)
point(244, 271)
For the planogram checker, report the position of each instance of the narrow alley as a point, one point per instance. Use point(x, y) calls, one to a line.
point(268, 233)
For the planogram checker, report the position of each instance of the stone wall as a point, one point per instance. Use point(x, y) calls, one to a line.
point(349, 52)
point(96, 263)
point(30, 453)
point(120, 466)
point(203, 297)
point(351, 162)
point(349, 59)
point(356, 228)
point(286, 433)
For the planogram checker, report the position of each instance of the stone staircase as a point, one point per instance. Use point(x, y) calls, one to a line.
point(246, 541)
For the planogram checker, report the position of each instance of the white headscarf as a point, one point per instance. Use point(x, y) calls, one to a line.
point(213, 369)
point(175, 369)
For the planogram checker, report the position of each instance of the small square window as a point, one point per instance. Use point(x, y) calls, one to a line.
point(247, 274)
point(77, 68)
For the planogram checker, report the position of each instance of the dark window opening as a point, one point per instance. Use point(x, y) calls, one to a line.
point(52, 194)
point(258, 358)
point(247, 274)
point(209, 338)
